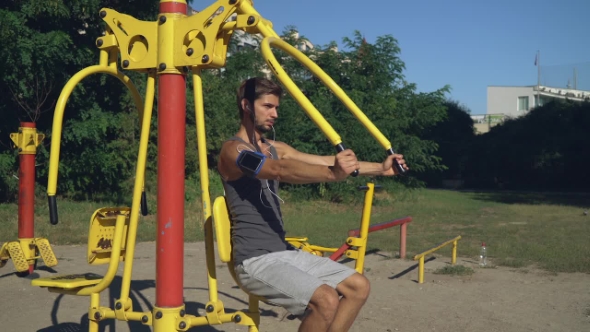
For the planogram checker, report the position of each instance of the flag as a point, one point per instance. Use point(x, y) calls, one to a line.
point(536, 56)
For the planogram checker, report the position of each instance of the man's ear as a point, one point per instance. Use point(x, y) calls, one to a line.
point(246, 108)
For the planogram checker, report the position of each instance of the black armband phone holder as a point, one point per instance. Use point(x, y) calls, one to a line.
point(250, 162)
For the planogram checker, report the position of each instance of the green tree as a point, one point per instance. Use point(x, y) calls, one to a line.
point(454, 137)
point(543, 150)
point(44, 45)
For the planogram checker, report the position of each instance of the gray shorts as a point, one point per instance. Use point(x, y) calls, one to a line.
point(289, 278)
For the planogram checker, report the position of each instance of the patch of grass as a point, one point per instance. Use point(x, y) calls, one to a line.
point(455, 270)
point(511, 262)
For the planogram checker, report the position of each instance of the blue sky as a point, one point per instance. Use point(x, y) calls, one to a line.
point(468, 44)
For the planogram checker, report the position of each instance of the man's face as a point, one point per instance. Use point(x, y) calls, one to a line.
point(265, 108)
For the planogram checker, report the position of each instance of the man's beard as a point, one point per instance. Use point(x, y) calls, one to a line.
point(263, 129)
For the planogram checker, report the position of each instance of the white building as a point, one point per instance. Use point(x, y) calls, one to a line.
point(512, 101)
point(515, 101)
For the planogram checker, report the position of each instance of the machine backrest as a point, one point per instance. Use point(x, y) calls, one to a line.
point(222, 229)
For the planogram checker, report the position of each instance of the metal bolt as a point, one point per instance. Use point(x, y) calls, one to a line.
point(189, 52)
point(103, 13)
point(125, 63)
point(251, 20)
point(118, 306)
point(162, 19)
point(97, 315)
point(162, 66)
point(182, 325)
point(99, 42)
point(182, 313)
point(349, 241)
point(145, 319)
point(238, 318)
point(210, 308)
point(205, 58)
point(158, 315)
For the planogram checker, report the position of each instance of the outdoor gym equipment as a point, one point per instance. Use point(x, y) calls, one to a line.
point(356, 244)
point(25, 251)
point(170, 48)
point(420, 256)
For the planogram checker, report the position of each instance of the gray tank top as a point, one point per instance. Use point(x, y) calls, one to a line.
point(257, 222)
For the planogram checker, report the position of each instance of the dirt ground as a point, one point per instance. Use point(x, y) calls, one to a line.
point(493, 299)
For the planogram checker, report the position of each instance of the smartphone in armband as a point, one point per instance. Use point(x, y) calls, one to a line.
point(250, 162)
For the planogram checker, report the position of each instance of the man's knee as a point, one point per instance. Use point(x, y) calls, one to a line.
point(355, 287)
point(324, 302)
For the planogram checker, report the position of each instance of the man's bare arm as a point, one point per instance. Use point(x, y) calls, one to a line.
point(288, 170)
point(366, 168)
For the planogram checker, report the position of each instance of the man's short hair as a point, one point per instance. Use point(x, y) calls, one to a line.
point(252, 88)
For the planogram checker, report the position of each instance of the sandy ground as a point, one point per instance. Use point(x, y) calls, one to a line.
point(493, 299)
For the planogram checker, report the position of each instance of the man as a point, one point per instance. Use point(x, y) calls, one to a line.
point(326, 294)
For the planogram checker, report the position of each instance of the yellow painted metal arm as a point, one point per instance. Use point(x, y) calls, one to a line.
point(138, 187)
point(58, 123)
point(320, 74)
point(301, 99)
point(304, 102)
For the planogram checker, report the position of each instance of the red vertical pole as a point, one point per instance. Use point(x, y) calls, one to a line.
point(402, 240)
point(171, 152)
point(26, 192)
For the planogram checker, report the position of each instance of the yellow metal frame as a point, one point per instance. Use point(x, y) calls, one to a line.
point(358, 245)
point(127, 219)
point(421, 256)
point(180, 44)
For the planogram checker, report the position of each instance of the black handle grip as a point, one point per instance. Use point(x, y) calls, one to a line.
point(400, 169)
point(340, 147)
point(144, 206)
point(52, 209)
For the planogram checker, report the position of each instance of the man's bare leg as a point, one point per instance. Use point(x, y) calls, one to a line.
point(355, 291)
point(321, 310)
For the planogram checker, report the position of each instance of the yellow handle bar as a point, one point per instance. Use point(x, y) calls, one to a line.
point(304, 102)
point(58, 121)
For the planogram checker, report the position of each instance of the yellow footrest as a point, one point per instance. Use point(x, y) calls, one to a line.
point(18, 256)
point(71, 281)
point(46, 252)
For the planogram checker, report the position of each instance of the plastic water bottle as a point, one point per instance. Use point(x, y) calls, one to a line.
point(483, 255)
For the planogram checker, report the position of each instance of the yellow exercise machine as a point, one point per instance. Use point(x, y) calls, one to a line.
point(169, 49)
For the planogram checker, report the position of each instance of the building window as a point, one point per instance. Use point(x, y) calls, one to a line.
point(523, 103)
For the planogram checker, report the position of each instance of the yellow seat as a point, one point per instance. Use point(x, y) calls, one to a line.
point(106, 244)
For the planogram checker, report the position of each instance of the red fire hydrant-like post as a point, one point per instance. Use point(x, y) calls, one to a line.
point(24, 251)
point(27, 142)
